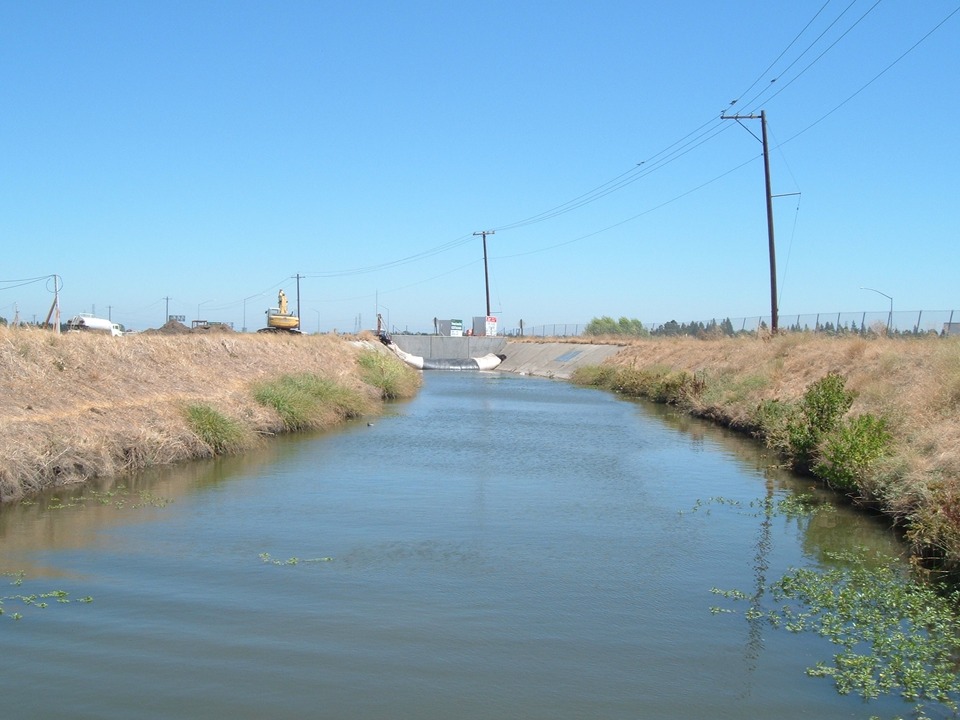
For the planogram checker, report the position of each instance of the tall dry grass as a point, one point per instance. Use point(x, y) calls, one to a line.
point(78, 405)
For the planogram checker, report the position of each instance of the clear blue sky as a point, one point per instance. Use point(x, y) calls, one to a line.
point(207, 152)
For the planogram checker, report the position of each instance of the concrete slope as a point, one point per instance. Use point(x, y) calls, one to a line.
point(557, 360)
point(545, 359)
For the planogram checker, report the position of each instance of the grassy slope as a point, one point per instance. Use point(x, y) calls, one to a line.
point(76, 406)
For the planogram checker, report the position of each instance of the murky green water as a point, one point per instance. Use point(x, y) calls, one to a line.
point(499, 547)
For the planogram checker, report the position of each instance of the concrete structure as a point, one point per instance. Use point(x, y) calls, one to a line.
point(553, 359)
point(439, 346)
point(544, 359)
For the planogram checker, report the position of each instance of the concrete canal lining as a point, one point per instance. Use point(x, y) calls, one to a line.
point(544, 359)
point(553, 359)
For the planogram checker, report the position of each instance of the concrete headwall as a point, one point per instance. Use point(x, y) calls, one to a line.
point(546, 359)
point(440, 346)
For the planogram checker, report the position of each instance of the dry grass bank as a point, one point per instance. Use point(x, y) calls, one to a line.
point(81, 405)
point(914, 384)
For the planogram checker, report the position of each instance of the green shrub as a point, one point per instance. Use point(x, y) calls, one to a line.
point(224, 435)
point(850, 452)
point(393, 378)
point(772, 419)
point(819, 412)
point(308, 401)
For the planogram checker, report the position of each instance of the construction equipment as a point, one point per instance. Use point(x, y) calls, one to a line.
point(279, 318)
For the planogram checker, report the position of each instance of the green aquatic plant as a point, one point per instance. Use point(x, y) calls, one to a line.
point(266, 558)
point(119, 497)
point(34, 600)
point(793, 506)
point(893, 635)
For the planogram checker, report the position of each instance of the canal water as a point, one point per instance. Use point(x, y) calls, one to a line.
point(498, 547)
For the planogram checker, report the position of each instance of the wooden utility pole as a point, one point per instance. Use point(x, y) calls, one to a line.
point(486, 276)
point(766, 174)
point(299, 320)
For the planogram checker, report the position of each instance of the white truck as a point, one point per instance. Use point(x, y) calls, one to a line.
point(89, 323)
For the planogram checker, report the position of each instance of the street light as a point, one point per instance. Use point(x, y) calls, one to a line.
point(890, 316)
point(199, 305)
point(245, 309)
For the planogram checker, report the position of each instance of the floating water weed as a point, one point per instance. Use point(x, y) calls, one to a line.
point(895, 636)
point(265, 557)
point(34, 600)
point(119, 497)
point(793, 506)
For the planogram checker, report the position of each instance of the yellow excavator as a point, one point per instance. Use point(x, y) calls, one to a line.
point(279, 318)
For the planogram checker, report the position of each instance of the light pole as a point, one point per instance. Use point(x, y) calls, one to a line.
point(199, 305)
point(318, 320)
point(245, 309)
point(890, 316)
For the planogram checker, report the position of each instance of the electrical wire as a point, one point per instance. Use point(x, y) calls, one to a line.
point(691, 141)
point(634, 217)
point(782, 53)
point(873, 79)
point(817, 59)
point(22, 282)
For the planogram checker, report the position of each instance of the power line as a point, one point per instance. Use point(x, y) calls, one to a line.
point(782, 53)
point(873, 79)
point(693, 140)
point(817, 59)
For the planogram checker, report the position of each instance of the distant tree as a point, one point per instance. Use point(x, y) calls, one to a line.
point(670, 328)
point(608, 326)
point(3, 321)
point(600, 326)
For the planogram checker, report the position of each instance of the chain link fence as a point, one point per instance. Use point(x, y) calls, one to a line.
point(861, 322)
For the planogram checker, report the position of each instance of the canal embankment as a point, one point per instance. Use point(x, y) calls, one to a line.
point(77, 406)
